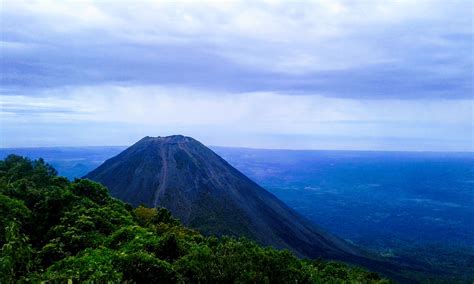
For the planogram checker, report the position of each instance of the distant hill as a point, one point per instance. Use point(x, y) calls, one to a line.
point(208, 194)
point(71, 162)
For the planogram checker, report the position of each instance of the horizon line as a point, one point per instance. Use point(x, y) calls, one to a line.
point(257, 148)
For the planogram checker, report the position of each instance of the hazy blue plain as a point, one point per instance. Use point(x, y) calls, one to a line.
point(371, 198)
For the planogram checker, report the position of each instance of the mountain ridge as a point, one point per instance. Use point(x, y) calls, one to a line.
point(208, 194)
point(164, 193)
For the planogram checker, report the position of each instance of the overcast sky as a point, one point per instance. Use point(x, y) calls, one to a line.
point(325, 74)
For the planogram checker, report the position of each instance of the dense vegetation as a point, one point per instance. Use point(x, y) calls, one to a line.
point(54, 229)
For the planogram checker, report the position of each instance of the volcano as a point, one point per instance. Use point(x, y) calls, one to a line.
point(208, 194)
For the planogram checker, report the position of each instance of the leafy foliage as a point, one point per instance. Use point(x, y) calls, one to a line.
point(57, 230)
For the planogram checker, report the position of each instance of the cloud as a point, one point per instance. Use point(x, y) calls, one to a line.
point(388, 49)
point(139, 111)
point(305, 74)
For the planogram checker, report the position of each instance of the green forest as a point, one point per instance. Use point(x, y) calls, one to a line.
point(58, 230)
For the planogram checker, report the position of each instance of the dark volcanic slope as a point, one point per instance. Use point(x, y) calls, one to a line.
point(208, 194)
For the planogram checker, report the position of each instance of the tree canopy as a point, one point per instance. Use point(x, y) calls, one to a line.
point(57, 230)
